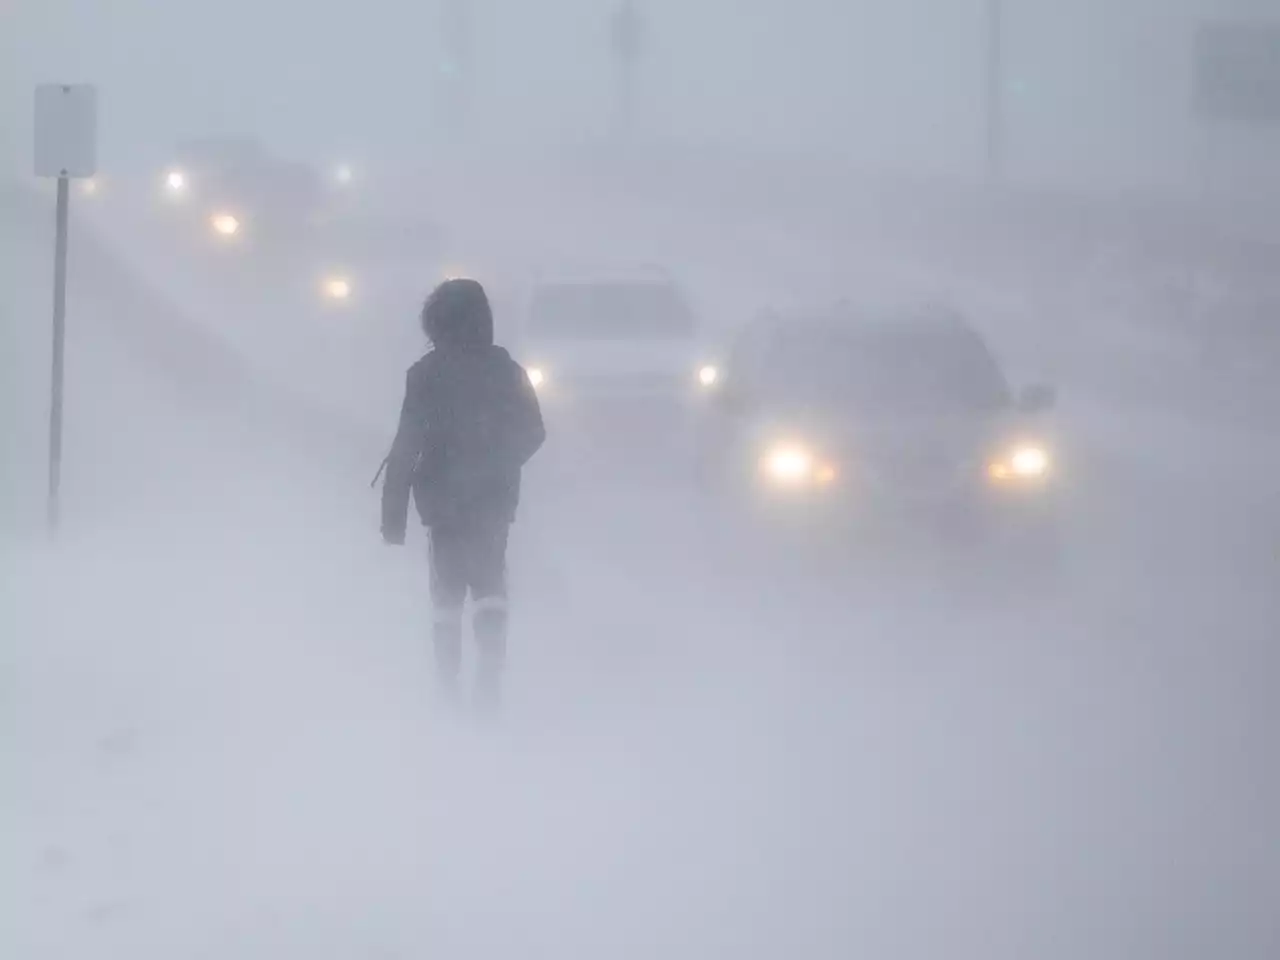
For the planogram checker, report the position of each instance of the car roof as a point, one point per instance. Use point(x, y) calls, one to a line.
point(845, 318)
point(757, 344)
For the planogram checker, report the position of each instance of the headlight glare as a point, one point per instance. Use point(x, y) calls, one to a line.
point(1029, 461)
point(1023, 462)
point(337, 288)
point(225, 224)
point(536, 376)
point(708, 375)
point(788, 464)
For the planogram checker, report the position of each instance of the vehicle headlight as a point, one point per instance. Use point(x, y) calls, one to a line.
point(708, 375)
point(794, 464)
point(175, 183)
point(337, 288)
point(789, 464)
point(1026, 461)
point(225, 224)
point(536, 376)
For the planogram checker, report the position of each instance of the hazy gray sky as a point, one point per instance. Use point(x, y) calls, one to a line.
point(1099, 88)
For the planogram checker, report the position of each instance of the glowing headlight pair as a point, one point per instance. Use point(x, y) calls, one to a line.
point(793, 464)
point(1024, 462)
point(222, 223)
point(796, 465)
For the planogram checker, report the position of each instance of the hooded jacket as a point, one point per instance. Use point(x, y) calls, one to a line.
point(469, 423)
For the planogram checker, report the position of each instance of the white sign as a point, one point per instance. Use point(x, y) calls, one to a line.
point(66, 130)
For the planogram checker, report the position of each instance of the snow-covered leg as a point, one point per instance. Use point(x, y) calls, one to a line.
point(489, 624)
point(448, 598)
point(446, 639)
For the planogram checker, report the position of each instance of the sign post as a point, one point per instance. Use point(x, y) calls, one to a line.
point(66, 133)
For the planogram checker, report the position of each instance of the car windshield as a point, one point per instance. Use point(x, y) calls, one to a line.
point(906, 370)
point(613, 311)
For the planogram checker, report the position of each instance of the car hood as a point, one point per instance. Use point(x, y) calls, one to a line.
point(955, 437)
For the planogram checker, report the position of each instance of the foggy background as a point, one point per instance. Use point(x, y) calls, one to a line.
point(1098, 91)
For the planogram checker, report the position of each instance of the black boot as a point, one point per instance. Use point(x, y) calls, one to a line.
point(489, 623)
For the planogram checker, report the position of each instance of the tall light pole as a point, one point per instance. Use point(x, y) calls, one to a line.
point(993, 100)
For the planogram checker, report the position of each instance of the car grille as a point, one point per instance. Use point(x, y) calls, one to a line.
point(625, 383)
point(923, 471)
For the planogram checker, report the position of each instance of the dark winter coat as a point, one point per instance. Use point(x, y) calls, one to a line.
point(469, 423)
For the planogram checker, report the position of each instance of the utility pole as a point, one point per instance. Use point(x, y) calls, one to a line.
point(993, 108)
point(628, 41)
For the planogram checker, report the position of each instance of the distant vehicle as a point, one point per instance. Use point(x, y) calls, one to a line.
point(851, 418)
point(239, 190)
point(614, 340)
point(285, 225)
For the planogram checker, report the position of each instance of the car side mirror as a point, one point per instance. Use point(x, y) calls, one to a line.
point(1037, 398)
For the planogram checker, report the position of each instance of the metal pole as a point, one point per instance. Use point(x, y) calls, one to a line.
point(59, 338)
point(994, 105)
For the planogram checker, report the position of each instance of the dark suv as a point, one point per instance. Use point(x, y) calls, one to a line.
point(848, 420)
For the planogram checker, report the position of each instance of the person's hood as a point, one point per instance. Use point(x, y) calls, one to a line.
point(458, 316)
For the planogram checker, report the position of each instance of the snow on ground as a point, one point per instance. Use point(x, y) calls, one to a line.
point(223, 741)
